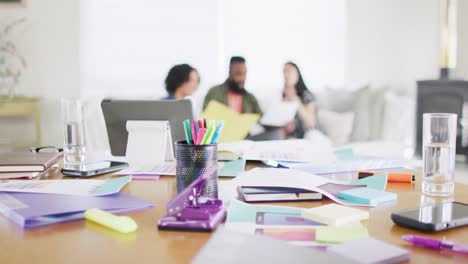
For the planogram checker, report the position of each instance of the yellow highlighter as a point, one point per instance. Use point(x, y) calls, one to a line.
point(122, 224)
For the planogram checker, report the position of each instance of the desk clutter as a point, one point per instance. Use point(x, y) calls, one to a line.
point(335, 231)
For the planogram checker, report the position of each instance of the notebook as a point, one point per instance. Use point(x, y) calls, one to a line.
point(30, 210)
point(369, 250)
point(334, 214)
point(27, 161)
point(13, 175)
point(229, 247)
point(276, 194)
point(367, 195)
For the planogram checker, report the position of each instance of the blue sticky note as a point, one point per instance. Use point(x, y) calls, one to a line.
point(378, 182)
point(367, 196)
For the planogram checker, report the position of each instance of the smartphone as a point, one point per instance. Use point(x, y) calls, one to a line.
point(434, 217)
point(93, 168)
point(268, 218)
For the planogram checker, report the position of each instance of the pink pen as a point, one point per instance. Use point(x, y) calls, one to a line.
point(436, 244)
point(194, 131)
point(200, 135)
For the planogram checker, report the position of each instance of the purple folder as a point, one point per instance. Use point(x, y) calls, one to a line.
point(31, 210)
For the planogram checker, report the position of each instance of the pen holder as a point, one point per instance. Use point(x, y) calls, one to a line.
point(192, 161)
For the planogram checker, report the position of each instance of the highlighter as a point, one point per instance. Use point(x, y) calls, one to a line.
point(122, 224)
point(405, 177)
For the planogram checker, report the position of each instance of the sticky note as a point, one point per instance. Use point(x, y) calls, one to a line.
point(367, 196)
point(334, 214)
point(378, 182)
point(329, 234)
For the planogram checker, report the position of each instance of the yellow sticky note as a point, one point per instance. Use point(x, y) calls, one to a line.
point(329, 234)
point(236, 126)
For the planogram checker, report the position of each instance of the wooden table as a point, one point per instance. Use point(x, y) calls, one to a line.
point(83, 242)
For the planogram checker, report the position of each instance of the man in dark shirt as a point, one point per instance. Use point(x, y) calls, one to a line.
point(232, 92)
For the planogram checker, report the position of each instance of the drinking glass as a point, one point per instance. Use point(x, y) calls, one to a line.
point(439, 142)
point(74, 149)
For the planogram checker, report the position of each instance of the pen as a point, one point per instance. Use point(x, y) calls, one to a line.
point(200, 124)
point(188, 134)
point(392, 176)
point(193, 131)
point(200, 135)
point(435, 243)
point(208, 134)
point(217, 132)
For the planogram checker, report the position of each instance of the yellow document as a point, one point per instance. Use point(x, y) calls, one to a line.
point(236, 126)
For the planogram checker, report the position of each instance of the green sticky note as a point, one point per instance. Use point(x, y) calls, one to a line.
point(345, 154)
point(378, 182)
point(112, 186)
point(329, 234)
point(231, 168)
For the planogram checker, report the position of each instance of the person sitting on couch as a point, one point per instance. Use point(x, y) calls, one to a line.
point(181, 82)
point(232, 92)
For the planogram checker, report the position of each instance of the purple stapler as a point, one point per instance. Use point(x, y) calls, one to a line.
point(187, 211)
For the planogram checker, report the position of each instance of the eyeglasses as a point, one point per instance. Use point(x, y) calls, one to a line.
point(46, 149)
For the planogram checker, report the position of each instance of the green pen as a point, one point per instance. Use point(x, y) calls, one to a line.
point(188, 133)
point(207, 136)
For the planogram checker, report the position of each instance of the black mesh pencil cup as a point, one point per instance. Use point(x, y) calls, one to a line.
point(194, 160)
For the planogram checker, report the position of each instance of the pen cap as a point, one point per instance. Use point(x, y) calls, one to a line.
point(194, 160)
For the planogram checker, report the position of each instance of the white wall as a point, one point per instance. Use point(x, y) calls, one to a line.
point(50, 43)
point(461, 70)
point(129, 47)
point(270, 33)
point(392, 43)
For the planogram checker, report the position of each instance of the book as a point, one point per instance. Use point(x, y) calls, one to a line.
point(334, 214)
point(13, 175)
point(27, 161)
point(367, 195)
point(30, 210)
point(369, 250)
point(276, 194)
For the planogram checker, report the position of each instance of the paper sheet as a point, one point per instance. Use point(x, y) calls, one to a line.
point(70, 187)
point(280, 114)
point(169, 168)
point(236, 126)
point(225, 169)
point(295, 150)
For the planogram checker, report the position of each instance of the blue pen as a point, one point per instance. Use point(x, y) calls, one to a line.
point(197, 128)
point(217, 132)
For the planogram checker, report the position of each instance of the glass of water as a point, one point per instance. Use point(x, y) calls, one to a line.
point(439, 142)
point(74, 149)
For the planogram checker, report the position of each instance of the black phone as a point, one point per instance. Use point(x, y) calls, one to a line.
point(93, 168)
point(433, 218)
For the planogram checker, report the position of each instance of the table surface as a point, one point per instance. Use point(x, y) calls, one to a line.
point(85, 242)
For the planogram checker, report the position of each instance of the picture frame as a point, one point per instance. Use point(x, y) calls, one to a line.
point(12, 3)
